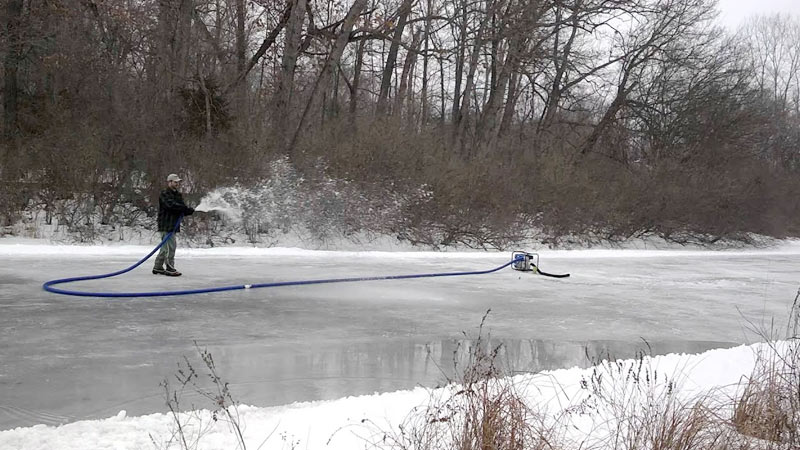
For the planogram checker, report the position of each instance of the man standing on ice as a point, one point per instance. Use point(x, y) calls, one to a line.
point(170, 208)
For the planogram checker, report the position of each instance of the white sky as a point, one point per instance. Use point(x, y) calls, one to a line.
point(733, 12)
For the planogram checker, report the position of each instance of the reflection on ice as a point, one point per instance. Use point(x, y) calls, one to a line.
point(264, 376)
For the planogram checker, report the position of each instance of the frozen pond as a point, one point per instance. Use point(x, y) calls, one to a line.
point(69, 358)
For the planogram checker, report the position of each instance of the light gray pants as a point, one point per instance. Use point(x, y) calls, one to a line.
point(167, 252)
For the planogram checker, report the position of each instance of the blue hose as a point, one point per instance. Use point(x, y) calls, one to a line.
point(49, 286)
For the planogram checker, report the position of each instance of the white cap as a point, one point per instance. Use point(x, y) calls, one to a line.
point(173, 177)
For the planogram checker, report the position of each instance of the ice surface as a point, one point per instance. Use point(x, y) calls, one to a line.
point(69, 358)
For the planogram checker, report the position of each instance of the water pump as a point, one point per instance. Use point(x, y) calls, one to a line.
point(524, 261)
point(529, 262)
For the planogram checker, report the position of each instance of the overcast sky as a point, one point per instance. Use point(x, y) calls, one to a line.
point(733, 12)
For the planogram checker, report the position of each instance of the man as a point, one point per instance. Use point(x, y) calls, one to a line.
point(170, 209)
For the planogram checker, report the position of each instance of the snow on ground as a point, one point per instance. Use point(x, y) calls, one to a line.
point(38, 247)
point(357, 422)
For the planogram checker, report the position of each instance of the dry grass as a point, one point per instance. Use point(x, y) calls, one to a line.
point(479, 409)
point(629, 405)
point(189, 424)
point(640, 408)
point(768, 407)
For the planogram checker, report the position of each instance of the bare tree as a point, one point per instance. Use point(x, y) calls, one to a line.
point(175, 41)
point(519, 40)
point(774, 49)
point(331, 62)
point(661, 24)
point(391, 59)
point(291, 49)
point(268, 41)
point(425, 56)
point(461, 125)
point(406, 76)
point(645, 83)
point(356, 84)
point(461, 47)
point(11, 66)
point(241, 52)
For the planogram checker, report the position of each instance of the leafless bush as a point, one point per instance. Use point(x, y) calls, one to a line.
point(478, 409)
point(768, 407)
point(189, 426)
point(641, 409)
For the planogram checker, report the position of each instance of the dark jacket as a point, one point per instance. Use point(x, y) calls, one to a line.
point(170, 208)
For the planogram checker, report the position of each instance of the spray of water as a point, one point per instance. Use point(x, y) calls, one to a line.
point(216, 201)
point(284, 203)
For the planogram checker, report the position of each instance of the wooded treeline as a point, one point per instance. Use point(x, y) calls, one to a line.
point(609, 117)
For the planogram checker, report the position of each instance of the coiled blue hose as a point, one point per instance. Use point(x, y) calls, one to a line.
point(49, 285)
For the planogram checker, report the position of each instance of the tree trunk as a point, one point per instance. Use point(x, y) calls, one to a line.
point(291, 50)
point(488, 128)
point(511, 103)
point(608, 117)
point(330, 64)
point(492, 106)
point(11, 66)
point(183, 39)
point(163, 73)
point(406, 77)
point(333, 109)
point(495, 48)
point(560, 64)
point(265, 45)
point(175, 23)
point(241, 57)
point(462, 49)
point(207, 105)
point(391, 59)
point(356, 79)
point(441, 92)
point(424, 94)
point(461, 125)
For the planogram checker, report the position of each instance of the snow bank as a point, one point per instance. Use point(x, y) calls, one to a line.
point(355, 422)
point(19, 247)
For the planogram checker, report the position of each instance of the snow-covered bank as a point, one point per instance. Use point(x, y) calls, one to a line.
point(358, 422)
point(37, 247)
